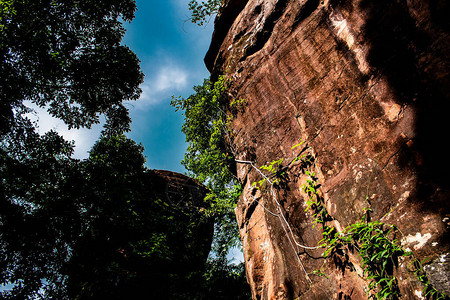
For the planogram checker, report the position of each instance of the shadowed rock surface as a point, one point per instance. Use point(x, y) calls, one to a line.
point(164, 259)
point(366, 85)
point(183, 193)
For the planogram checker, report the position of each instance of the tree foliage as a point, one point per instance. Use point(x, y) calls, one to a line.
point(67, 56)
point(33, 245)
point(98, 228)
point(137, 242)
point(209, 160)
point(206, 156)
point(201, 12)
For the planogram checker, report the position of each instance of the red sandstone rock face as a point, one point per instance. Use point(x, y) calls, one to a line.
point(365, 84)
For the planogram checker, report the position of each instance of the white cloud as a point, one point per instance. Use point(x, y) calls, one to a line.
point(164, 83)
point(84, 138)
point(170, 78)
point(167, 81)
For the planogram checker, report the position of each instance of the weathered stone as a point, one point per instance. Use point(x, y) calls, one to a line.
point(182, 192)
point(439, 273)
point(365, 84)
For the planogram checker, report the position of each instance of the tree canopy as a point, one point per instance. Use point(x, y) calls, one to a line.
point(99, 227)
point(209, 160)
point(139, 241)
point(67, 56)
point(201, 12)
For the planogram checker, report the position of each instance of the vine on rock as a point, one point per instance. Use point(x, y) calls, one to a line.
point(374, 242)
point(276, 174)
point(376, 245)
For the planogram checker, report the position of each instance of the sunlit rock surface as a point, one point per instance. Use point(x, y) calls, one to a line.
point(366, 85)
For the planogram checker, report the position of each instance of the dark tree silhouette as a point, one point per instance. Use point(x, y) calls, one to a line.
point(67, 56)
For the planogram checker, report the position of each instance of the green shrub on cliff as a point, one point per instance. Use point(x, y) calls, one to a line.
point(208, 160)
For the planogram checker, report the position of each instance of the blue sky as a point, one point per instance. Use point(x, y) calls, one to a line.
point(171, 51)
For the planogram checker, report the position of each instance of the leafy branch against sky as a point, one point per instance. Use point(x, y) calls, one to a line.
point(171, 52)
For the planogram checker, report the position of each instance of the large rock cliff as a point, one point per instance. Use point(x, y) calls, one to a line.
point(365, 84)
